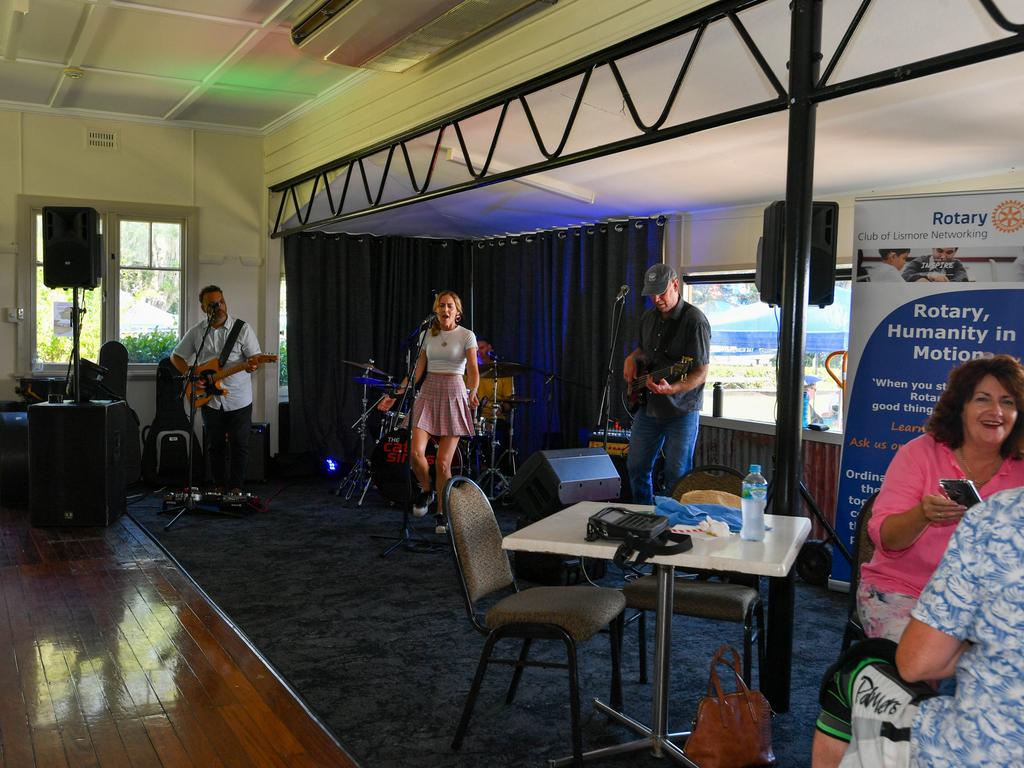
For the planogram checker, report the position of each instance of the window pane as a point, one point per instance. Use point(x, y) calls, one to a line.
point(167, 245)
point(135, 244)
point(744, 350)
point(53, 322)
point(150, 313)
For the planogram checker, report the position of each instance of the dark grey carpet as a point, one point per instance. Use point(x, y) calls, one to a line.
point(382, 651)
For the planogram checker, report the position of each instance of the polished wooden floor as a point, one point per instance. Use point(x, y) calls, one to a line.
point(110, 656)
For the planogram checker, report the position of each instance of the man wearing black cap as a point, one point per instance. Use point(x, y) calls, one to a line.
point(671, 332)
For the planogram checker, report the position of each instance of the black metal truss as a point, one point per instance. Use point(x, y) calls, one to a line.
point(353, 166)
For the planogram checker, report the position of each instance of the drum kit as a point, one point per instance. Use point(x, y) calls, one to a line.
point(488, 456)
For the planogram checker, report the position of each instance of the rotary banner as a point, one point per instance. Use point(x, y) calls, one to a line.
point(939, 281)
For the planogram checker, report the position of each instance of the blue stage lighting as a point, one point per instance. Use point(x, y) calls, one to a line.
point(330, 465)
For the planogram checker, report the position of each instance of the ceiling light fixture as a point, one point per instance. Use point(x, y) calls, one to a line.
point(75, 73)
point(320, 15)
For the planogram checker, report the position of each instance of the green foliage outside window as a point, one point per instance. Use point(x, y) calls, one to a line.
point(282, 363)
point(150, 347)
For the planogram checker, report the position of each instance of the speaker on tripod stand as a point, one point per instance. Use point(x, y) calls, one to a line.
point(72, 247)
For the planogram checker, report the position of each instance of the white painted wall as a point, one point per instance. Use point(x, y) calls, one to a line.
point(219, 174)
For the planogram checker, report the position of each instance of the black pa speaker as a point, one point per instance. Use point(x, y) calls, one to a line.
point(72, 247)
point(772, 247)
point(551, 480)
point(13, 458)
point(76, 463)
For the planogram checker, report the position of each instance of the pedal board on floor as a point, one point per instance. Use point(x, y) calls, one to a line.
point(233, 503)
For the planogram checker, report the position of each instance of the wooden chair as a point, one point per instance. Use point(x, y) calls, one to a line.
point(567, 614)
point(863, 551)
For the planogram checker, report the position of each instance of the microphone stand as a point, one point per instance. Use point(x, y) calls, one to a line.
point(191, 496)
point(604, 412)
point(408, 538)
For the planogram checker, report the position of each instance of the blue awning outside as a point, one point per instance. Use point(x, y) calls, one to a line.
point(756, 326)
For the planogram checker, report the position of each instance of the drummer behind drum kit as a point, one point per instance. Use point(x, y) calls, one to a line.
point(480, 456)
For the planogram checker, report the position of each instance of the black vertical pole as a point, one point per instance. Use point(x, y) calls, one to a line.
point(804, 56)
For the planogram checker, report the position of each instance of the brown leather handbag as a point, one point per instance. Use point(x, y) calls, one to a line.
point(731, 730)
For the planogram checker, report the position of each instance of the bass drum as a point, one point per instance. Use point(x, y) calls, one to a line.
point(388, 465)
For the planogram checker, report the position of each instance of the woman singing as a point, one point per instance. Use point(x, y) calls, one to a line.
point(446, 402)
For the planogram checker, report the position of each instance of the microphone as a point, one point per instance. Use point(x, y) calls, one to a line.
point(491, 355)
point(428, 320)
point(623, 290)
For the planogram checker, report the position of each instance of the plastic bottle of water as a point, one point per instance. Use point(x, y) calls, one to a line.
point(755, 497)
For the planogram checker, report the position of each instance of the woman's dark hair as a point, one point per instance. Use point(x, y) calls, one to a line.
point(946, 422)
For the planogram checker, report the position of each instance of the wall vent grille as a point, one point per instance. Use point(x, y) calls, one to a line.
point(97, 139)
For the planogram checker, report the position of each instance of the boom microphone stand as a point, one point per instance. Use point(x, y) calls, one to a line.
point(408, 539)
point(191, 496)
point(604, 412)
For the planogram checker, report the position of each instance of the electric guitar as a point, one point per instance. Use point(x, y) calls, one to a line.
point(210, 372)
point(636, 393)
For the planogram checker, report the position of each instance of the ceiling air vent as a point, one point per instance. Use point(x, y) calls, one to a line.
point(394, 35)
point(97, 139)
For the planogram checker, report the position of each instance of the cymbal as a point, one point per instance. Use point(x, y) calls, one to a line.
point(518, 400)
point(368, 366)
point(504, 369)
point(367, 381)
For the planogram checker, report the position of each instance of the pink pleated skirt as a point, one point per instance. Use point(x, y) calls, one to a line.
point(442, 407)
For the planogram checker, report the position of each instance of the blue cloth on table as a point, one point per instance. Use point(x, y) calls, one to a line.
point(693, 514)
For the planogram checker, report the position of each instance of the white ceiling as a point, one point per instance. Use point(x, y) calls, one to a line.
point(221, 64)
point(230, 65)
point(959, 124)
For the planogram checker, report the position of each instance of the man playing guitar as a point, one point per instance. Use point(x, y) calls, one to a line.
point(226, 417)
point(675, 338)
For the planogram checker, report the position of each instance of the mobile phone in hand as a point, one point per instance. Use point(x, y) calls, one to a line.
point(962, 492)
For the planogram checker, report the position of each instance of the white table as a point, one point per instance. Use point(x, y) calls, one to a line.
point(564, 533)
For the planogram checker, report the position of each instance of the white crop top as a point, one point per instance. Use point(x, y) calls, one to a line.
point(446, 352)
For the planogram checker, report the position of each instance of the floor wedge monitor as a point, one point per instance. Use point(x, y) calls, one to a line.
point(551, 480)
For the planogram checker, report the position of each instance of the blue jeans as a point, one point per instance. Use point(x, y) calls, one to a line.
point(679, 437)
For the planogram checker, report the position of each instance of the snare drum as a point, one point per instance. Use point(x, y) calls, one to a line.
point(389, 461)
point(483, 426)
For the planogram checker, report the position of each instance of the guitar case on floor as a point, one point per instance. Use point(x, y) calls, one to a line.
point(166, 441)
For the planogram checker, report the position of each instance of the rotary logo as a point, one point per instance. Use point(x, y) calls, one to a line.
point(1008, 216)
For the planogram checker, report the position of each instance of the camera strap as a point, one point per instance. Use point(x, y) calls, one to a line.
point(665, 543)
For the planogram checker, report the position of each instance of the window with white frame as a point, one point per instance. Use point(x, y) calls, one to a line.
point(744, 349)
point(139, 301)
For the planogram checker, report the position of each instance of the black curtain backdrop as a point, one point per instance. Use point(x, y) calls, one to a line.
point(544, 300)
point(356, 298)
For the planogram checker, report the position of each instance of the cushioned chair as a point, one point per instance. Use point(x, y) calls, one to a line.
point(863, 551)
point(567, 614)
point(739, 603)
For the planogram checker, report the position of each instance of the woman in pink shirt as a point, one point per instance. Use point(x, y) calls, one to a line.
point(973, 433)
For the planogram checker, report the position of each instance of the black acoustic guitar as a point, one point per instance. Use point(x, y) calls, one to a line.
point(636, 393)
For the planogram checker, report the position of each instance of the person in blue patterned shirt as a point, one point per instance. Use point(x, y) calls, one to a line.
point(877, 708)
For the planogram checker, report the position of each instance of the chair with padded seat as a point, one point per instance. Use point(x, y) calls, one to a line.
point(863, 551)
point(736, 602)
point(567, 614)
